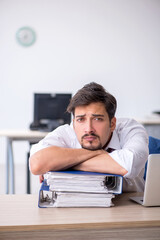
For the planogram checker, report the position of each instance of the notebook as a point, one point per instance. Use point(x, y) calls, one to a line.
point(151, 195)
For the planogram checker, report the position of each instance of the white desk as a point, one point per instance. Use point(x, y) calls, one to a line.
point(35, 136)
point(151, 124)
point(17, 135)
point(149, 121)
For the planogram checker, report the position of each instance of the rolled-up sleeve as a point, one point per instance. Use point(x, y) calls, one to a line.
point(134, 148)
point(63, 136)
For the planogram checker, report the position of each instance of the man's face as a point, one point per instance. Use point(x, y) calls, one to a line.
point(92, 126)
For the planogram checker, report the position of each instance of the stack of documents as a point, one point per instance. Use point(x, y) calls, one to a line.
point(79, 189)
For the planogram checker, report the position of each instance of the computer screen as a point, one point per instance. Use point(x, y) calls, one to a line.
point(50, 110)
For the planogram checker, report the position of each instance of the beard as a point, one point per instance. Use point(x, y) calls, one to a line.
point(90, 144)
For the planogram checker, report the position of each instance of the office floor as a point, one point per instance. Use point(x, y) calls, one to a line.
point(20, 180)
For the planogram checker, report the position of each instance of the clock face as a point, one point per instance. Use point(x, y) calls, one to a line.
point(26, 36)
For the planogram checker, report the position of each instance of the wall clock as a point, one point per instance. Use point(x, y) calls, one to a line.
point(26, 36)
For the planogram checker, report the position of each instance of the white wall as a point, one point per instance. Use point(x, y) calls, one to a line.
point(113, 42)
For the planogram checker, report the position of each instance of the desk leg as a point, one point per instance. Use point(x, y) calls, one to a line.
point(28, 176)
point(7, 169)
point(10, 167)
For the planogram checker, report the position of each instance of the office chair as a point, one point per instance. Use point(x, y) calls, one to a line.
point(154, 147)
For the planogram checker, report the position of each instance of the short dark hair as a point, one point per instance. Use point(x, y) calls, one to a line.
point(91, 93)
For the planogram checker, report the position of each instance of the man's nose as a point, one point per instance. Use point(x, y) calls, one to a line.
point(89, 126)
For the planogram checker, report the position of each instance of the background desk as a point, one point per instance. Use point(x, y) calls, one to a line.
point(152, 125)
point(22, 219)
point(17, 135)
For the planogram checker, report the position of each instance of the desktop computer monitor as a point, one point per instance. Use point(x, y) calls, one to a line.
point(50, 111)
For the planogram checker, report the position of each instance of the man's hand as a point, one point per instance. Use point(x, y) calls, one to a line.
point(41, 178)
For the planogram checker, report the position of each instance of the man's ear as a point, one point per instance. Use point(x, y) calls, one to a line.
point(113, 124)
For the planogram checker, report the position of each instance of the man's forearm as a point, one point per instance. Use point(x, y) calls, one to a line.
point(103, 163)
point(57, 158)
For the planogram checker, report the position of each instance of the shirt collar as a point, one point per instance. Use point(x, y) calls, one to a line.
point(114, 142)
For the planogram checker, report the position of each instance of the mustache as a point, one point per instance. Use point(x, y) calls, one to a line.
point(88, 135)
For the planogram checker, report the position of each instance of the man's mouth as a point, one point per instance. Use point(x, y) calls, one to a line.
point(91, 142)
point(90, 137)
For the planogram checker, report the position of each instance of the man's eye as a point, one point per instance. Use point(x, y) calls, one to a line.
point(80, 119)
point(99, 119)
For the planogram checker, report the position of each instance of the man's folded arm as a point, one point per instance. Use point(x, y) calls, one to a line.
point(58, 158)
point(102, 163)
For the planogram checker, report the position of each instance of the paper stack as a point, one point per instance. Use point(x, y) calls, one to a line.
point(79, 189)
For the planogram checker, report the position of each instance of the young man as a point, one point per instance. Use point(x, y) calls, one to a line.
point(95, 141)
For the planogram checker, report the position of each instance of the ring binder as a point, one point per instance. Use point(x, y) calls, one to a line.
point(79, 189)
